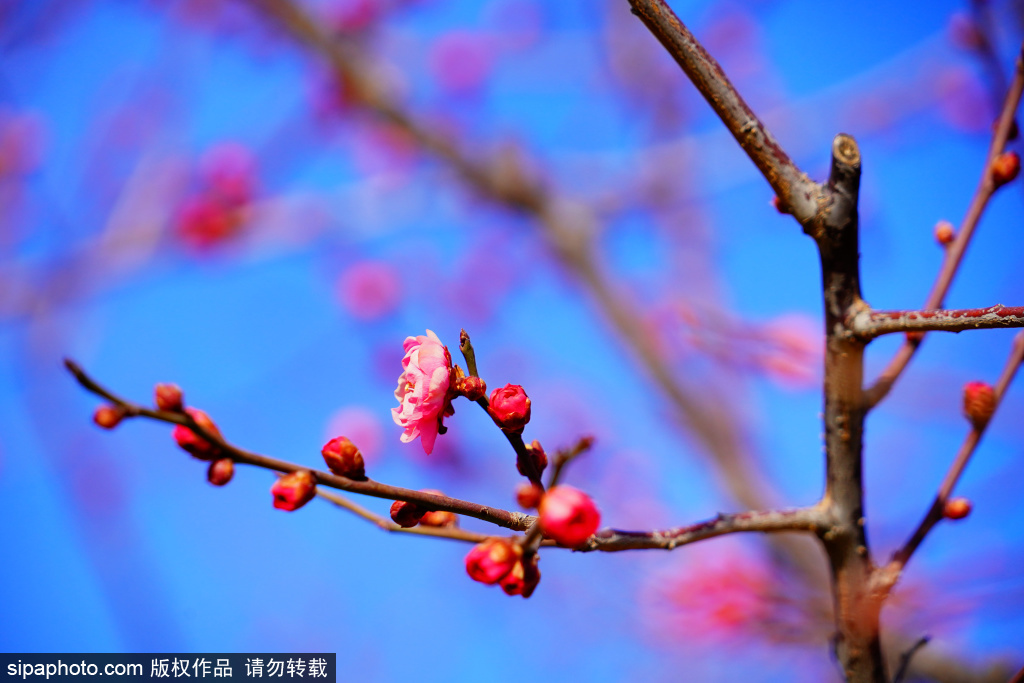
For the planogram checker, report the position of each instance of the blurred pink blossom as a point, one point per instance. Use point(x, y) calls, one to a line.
point(229, 170)
point(361, 426)
point(461, 61)
point(370, 289)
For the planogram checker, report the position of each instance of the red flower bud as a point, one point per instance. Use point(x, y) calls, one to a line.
point(169, 398)
point(944, 233)
point(191, 442)
point(979, 403)
point(1005, 168)
point(958, 508)
point(536, 454)
point(108, 416)
point(568, 515)
point(343, 458)
point(406, 514)
point(523, 578)
point(510, 407)
point(528, 495)
point(472, 388)
point(220, 471)
point(294, 490)
point(439, 518)
point(491, 561)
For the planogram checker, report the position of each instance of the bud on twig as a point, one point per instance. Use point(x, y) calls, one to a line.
point(491, 561)
point(472, 388)
point(944, 233)
point(343, 458)
point(1005, 168)
point(510, 408)
point(568, 515)
point(108, 416)
point(438, 518)
point(957, 508)
point(192, 442)
point(537, 455)
point(406, 514)
point(979, 403)
point(220, 471)
point(528, 495)
point(169, 398)
point(294, 490)
point(523, 578)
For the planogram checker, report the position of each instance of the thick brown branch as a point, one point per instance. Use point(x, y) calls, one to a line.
point(503, 518)
point(868, 325)
point(798, 194)
point(955, 252)
point(810, 519)
point(891, 573)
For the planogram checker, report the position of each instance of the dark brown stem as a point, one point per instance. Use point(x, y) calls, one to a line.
point(857, 642)
point(935, 513)
point(955, 252)
point(798, 194)
point(870, 324)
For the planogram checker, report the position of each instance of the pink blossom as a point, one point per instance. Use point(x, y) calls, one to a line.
point(370, 289)
point(423, 389)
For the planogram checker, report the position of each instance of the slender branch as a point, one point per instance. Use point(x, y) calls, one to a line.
point(887, 579)
point(503, 518)
point(453, 533)
point(904, 665)
point(524, 462)
point(955, 251)
point(798, 194)
point(1018, 677)
point(811, 519)
point(870, 324)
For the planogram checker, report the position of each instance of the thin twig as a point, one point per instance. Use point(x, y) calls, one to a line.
point(868, 325)
point(810, 519)
point(904, 667)
point(503, 518)
point(798, 194)
point(955, 251)
point(888, 577)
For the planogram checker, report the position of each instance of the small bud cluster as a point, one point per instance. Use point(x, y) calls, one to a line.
point(108, 416)
point(192, 442)
point(406, 514)
point(537, 457)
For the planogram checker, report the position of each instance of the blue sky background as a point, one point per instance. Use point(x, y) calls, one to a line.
point(114, 542)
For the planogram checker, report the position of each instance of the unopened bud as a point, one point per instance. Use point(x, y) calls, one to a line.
point(438, 518)
point(344, 459)
point(537, 456)
point(957, 508)
point(568, 515)
point(169, 398)
point(192, 442)
point(510, 408)
point(406, 514)
point(108, 416)
point(294, 490)
point(979, 403)
point(528, 495)
point(1005, 168)
point(944, 233)
point(472, 388)
point(220, 471)
point(523, 578)
point(779, 206)
point(491, 561)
